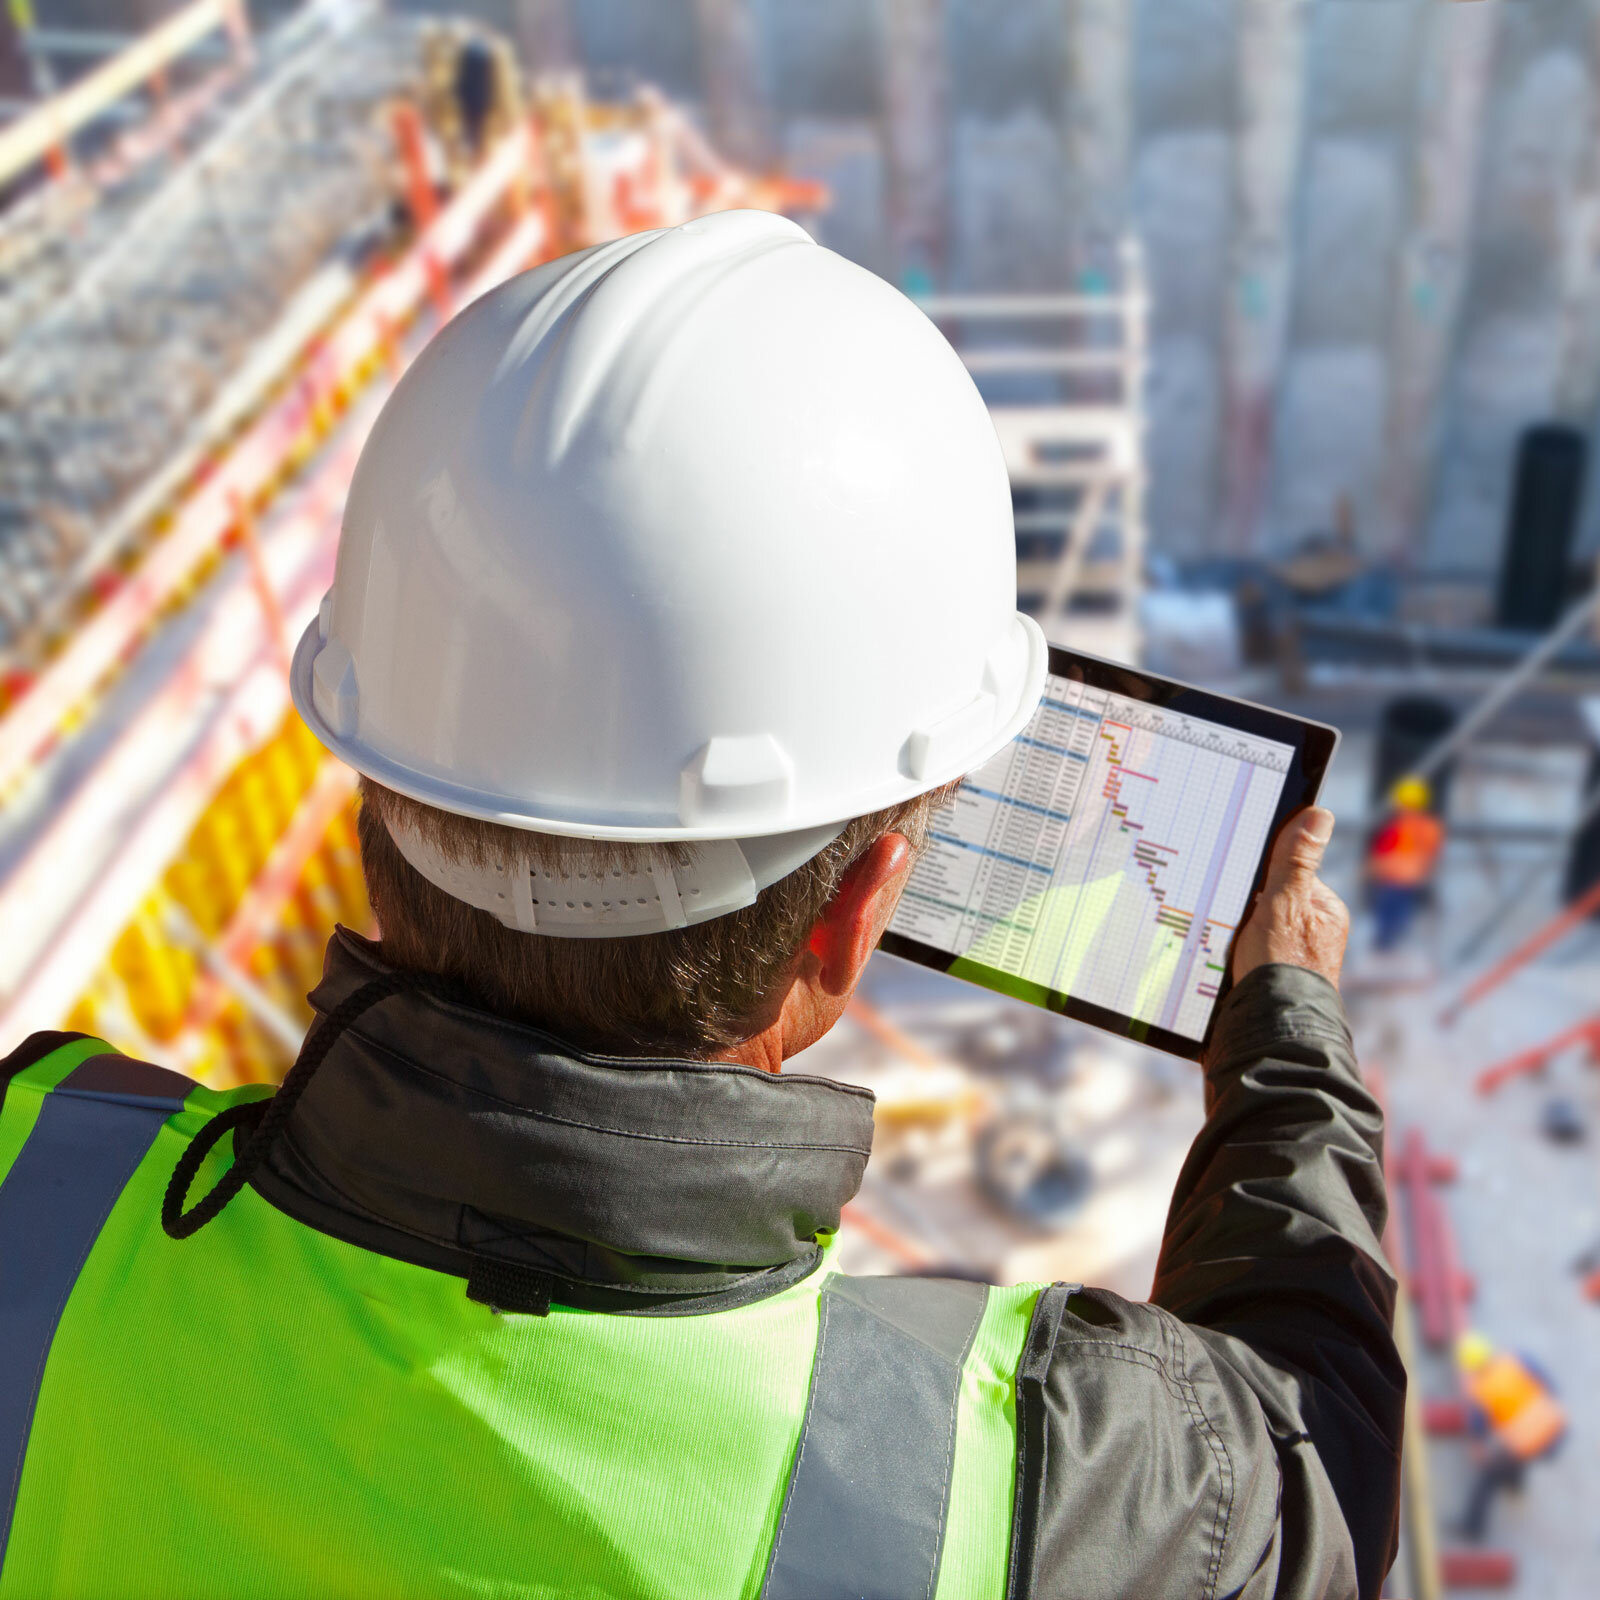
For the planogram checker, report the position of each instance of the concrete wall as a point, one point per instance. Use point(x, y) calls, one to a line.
point(1370, 272)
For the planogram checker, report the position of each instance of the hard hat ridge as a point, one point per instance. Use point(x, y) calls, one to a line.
point(703, 534)
point(636, 304)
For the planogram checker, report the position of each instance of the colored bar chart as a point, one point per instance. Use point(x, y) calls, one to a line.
point(1108, 854)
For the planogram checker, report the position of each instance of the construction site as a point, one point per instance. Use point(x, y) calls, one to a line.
point(1287, 316)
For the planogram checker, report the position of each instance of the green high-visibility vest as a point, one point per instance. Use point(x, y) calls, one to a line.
point(263, 1409)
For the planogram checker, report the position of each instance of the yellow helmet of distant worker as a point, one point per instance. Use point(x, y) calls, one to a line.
point(1473, 1351)
point(1412, 793)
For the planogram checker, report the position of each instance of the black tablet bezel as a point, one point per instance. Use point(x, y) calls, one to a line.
point(1313, 745)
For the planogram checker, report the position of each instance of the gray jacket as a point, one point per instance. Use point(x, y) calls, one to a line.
point(1239, 1435)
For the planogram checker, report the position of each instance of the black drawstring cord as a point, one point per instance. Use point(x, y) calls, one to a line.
point(273, 1114)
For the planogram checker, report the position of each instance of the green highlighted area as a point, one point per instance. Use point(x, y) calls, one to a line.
point(1036, 952)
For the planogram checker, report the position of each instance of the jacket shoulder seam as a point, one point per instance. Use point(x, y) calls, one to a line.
point(1183, 1391)
point(1172, 1335)
point(595, 1127)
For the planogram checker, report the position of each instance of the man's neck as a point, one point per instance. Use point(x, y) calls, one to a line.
point(806, 1014)
point(765, 1050)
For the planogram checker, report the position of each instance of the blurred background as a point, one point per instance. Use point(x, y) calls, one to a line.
point(1288, 315)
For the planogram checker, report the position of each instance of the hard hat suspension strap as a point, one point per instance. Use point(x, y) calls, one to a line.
point(616, 902)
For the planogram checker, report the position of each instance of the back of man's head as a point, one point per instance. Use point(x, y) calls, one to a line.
point(690, 991)
point(676, 575)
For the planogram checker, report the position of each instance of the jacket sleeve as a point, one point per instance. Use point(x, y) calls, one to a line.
point(1239, 1435)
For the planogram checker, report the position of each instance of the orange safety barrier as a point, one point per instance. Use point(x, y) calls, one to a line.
point(256, 464)
point(253, 835)
point(1535, 944)
point(902, 1249)
point(41, 134)
point(1478, 1569)
point(261, 878)
point(260, 909)
point(1539, 1055)
point(1437, 1282)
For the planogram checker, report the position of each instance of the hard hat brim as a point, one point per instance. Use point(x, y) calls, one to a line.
point(505, 810)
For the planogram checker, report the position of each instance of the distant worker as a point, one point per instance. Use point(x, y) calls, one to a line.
point(1402, 859)
point(1514, 1417)
point(677, 583)
point(475, 90)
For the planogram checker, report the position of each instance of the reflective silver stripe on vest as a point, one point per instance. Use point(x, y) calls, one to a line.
point(865, 1511)
point(94, 1129)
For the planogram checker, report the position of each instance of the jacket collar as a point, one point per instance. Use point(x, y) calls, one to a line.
point(451, 1138)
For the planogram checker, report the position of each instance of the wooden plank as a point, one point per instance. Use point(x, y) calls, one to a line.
point(32, 137)
point(249, 469)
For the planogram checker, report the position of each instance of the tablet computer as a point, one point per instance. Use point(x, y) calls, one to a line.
point(1099, 865)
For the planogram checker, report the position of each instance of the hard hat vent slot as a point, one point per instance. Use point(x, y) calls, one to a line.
point(333, 687)
point(739, 778)
point(941, 744)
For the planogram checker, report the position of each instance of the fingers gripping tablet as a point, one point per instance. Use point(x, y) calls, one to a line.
point(1100, 864)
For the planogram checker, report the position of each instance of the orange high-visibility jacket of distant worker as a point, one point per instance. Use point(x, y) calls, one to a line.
point(1406, 848)
point(1521, 1412)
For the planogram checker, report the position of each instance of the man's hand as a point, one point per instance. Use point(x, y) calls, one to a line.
point(1296, 919)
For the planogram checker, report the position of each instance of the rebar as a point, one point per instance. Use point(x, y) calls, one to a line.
point(117, 334)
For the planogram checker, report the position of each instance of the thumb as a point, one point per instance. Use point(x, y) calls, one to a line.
point(1298, 852)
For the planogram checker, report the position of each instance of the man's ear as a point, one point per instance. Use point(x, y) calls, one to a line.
point(847, 932)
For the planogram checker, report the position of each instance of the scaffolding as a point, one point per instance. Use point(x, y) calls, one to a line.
point(1064, 378)
point(116, 391)
point(44, 133)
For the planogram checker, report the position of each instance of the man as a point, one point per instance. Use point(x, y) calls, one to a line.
point(675, 588)
point(1405, 851)
point(1514, 1418)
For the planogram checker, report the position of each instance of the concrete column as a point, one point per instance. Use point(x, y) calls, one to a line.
point(916, 115)
point(1435, 258)
point(1578, 385)
point(547, 36)
point(736, 98)
point(1269, 119)
point(1096, 131)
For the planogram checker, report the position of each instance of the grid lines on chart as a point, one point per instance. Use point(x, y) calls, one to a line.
point(1106, 854)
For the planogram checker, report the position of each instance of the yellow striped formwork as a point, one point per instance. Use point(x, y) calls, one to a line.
point(157, 996)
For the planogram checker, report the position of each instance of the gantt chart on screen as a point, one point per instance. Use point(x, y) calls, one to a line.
point(1107, 853)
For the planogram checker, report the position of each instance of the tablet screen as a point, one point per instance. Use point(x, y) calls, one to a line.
point(1102, 861)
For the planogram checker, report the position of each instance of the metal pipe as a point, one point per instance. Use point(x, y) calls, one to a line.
point(266, 1011)
point(1037, 359)
point(1535, 944)
point(76, 41)
point(1528, 881)
point(1015, 307)
point(1506, 689)
point(1415, 645)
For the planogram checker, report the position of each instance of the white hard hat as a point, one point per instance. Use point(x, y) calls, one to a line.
point(702, 534)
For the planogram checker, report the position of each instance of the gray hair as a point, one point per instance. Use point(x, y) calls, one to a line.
point(690, 991)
